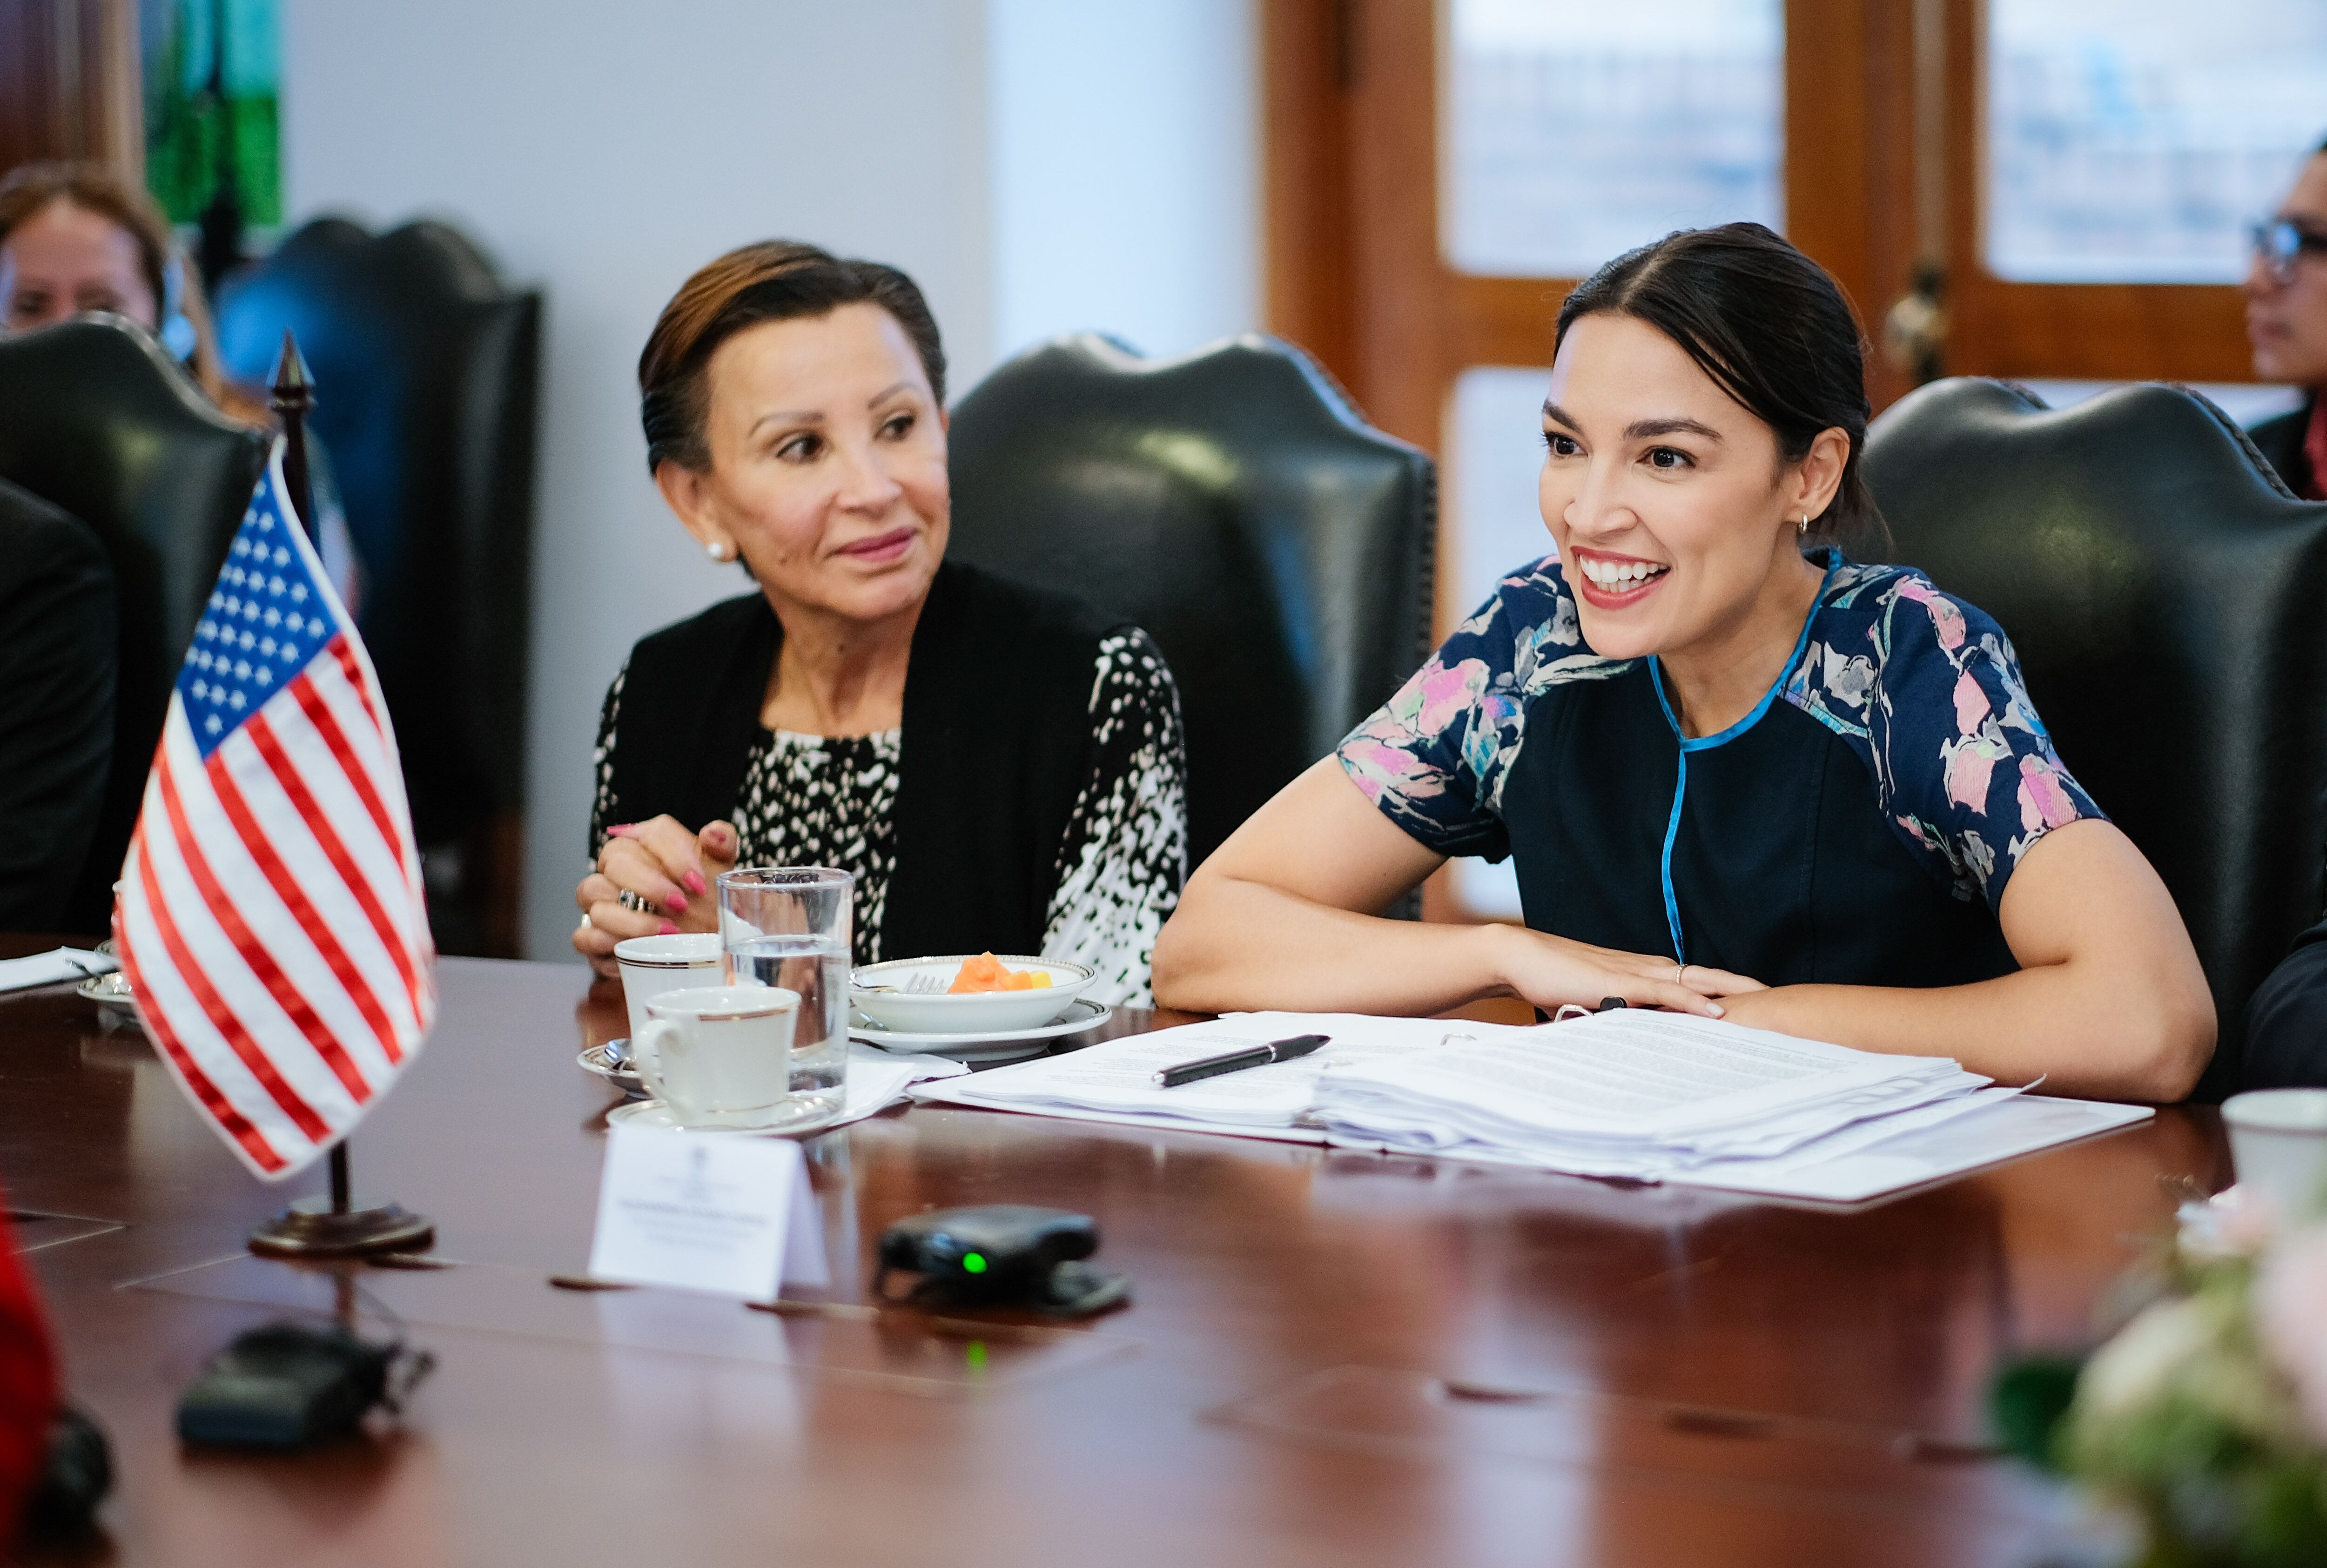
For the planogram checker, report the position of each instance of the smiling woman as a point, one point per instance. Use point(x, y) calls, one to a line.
point(1000, 767)
point(1739, 774)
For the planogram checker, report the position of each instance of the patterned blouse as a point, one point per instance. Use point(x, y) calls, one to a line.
point(1924, 689)
point(831, 800)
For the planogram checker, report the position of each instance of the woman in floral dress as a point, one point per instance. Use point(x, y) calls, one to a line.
point(1739, 773)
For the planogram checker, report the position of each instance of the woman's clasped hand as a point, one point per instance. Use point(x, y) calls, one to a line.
point(673, 873)
point(1556, 972)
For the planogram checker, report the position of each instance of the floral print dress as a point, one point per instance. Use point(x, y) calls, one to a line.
point(1859, 825)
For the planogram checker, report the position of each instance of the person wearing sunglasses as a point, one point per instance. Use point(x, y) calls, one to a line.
point(2286, 323)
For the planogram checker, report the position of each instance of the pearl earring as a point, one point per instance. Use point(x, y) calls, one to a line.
point(715, 550)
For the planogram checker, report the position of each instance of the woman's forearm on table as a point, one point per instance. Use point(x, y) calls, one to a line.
point(2083, 1034)
point(1238, 946)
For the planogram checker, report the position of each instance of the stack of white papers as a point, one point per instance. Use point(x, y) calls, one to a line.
point(1629, 1093)
point(1643, 1096)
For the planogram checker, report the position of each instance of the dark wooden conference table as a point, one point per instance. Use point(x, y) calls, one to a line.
point(1331, 1358)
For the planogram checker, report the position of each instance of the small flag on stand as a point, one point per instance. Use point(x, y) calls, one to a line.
point(271, 918)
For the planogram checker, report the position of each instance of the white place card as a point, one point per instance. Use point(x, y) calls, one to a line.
point(730, 1216)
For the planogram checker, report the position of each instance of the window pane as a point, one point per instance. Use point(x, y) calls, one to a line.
point(2247, 402)
point(2131, 141)
point(1578, 129)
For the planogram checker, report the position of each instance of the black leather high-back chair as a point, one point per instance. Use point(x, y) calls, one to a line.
point(1234, 504)
point(2164, 591)
point(426, 367)
point(96, 418)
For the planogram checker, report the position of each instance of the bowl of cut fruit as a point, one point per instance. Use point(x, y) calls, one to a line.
point(965, 993)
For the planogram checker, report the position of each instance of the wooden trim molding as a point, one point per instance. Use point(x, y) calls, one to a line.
point(2099, 331)
point(70, 83)
point(1304, 49)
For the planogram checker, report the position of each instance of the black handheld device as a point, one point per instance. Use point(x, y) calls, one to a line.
point(288, 1386)
point(1001, 1254)
point(63, 1504)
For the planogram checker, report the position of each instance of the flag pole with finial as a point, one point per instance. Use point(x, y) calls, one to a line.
point(332, 1226)
point(294, 396)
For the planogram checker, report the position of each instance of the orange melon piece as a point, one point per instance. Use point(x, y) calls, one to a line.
point(986, 973)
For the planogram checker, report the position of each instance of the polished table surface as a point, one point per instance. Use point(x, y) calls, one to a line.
point(1330, 1358)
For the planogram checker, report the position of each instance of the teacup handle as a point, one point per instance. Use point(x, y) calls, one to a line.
point(647, 1047)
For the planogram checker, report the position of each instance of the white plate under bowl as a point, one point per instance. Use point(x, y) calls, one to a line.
point(654, 1114)
point(110, 992)
point(975, 1013)
point(996, 1045)
point(594, 1059)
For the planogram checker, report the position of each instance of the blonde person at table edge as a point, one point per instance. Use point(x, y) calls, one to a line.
point(1739, 774)
point(1001, 767)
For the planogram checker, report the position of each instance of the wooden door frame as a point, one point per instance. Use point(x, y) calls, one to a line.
point(70, 84)
point(1354, 273)
point(2095, 331)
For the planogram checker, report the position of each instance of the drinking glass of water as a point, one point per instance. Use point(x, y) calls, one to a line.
point(790, 926)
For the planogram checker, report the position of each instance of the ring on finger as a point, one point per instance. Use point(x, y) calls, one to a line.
point(585, 921)
point(1680, 975)
point(636, 902)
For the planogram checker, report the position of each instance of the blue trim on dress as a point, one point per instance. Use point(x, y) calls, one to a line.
point(1706, 743)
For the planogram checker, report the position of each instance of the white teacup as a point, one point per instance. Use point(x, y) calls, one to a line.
point(2278, 1142)
point(651, 965)
point(720, 1056)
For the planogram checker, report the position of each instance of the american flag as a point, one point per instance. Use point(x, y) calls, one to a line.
point(271, 920)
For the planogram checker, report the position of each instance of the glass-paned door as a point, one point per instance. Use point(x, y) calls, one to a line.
point(2118, 150)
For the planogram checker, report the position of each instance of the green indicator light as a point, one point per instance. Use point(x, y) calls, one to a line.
point(976, 1356)
point(973, 1263)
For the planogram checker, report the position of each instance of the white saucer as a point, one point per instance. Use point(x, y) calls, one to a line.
point(593, 1059)
point(654, 1114)
point(110, 992)
point(993, 1045)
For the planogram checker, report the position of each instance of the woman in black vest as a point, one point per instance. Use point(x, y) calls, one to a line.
point(1737, 772)
point(1001, 767)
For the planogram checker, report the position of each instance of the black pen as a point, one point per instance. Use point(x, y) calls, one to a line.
point(1187, 1072)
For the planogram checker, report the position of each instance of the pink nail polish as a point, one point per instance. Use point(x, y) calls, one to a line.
point(694, 880)
point(621, 827)
point(667, 929)
point(676, 903)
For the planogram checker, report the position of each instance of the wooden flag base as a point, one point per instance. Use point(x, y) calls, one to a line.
point(332, 1226)
point(312, 1229)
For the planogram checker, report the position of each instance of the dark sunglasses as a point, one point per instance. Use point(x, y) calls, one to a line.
point(2280, 242)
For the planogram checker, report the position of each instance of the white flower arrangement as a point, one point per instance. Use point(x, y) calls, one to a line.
point(2204, 1416)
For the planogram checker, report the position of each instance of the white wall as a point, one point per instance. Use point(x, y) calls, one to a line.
point(1125, 169)
point(1039, 167)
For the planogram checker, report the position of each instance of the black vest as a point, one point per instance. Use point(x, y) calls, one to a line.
point(996, 746)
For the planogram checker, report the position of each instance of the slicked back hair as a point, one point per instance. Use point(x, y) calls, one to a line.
point(775, 280)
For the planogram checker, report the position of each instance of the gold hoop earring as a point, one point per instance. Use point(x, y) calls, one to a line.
point(1804, 525)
